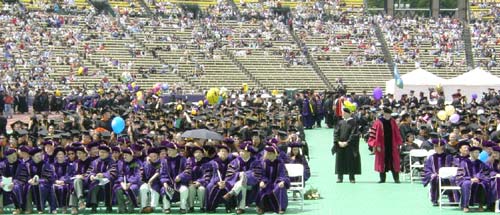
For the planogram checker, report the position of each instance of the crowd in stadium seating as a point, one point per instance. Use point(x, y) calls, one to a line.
point(414, 39)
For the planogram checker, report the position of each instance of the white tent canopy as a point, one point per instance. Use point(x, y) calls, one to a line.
point(417, 80)
point(475, 81)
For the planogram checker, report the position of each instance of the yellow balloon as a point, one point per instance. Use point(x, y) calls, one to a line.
point(80, 71)
point(439, 88)
point(350, 106)
point(133, 84)
point(450, 110)
point(179, 107)
point(245, 87)
point(139, 94)
point(274, 92)
point(57, 93)
point(442, 115)
point(200, 103)
point(193, 112)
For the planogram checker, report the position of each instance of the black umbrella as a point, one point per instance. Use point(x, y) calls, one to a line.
point(202, 134)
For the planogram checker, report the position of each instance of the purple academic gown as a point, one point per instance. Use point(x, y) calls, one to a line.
point(148, 170)
point(273, 198)
point(307, 114)
point(108, 168)
point(494, 181)
point(81, 168)
point(12, 170)
point(198, 169)
point(216, 171)
point(130, 172)
point(63, 171)
point(170, 169)
point(44, 190)
point(239, 165)
point(431, 170)
point(470, 191)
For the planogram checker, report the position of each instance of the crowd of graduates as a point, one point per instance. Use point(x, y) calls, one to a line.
point(470, 144)
point(70, 163)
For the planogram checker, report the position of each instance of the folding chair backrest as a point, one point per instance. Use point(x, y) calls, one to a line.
point(431, 152)
point(420, 153)
point(447, 172)
point(294, 170)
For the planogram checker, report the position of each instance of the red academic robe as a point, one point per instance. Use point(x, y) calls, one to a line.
point(377, 139)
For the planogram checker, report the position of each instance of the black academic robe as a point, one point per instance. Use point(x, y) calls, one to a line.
point(348, 160)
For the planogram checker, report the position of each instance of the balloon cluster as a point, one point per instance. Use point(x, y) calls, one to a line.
point(82, 71)
point(449, 113)
point(158, 88)
point(133, 87)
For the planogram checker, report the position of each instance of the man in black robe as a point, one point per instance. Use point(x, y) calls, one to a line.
point(346, 143)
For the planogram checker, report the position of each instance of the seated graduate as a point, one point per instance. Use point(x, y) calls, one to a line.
point(215, 176)
point(9, 168)
point(274, 181)
point(242, 178)
point(128, 181)
point(151, 185)
point(405, 152)
point(175, 178)
point(197, 185)
point(473, 179)
point(80, 181)
point(295, 156)
point(40, 183)
point(102, 173)
point(431, 170)
point(494, 166)
point(64, 171)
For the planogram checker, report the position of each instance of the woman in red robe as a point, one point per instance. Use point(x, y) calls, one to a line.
point(385, 139)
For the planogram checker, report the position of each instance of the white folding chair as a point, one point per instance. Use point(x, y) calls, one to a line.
point(417, 154)
point(296, 171)
point(431, 152)
point(447, 173)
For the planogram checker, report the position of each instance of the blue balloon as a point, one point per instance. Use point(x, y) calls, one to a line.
point(164, 86)
point(483, 156)
point(118, 124)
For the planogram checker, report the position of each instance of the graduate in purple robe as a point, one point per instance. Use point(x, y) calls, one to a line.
point(431, 170)
point(48, 148)
point(102, 173)
point(473, 179)
point(307, 113)
point(295, 157)
point(80, 180)
point(151, 181)
point(174, 177)
point(197, 185)
point(63, 171)
point(273, 183)
point(242, 178)
point(216, 180)
point(493, 164)
point(9, 168)
point(40, 184)
point(128, 181)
